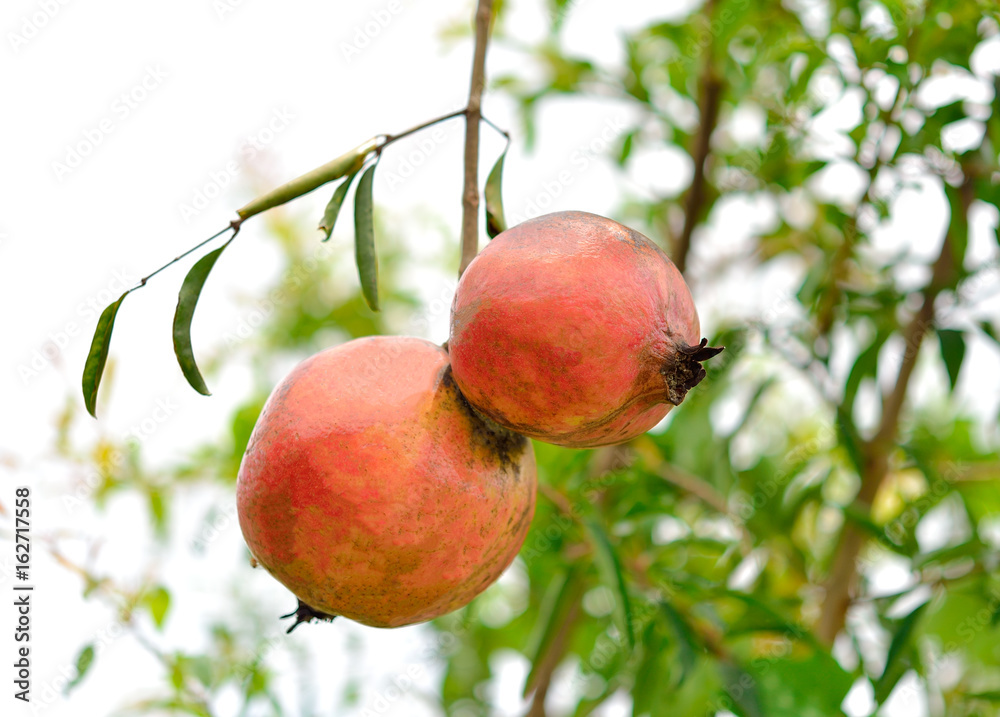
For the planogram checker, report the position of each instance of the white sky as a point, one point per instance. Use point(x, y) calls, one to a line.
point(199, 77)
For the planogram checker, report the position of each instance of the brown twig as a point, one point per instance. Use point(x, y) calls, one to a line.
point(708, 110)
point(876, 452)
point(695, 486)
point(473, 114)
point(552, 659)
point(706, 493)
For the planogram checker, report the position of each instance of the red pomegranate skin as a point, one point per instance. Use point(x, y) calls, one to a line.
point(371, 490)
point(570, 327)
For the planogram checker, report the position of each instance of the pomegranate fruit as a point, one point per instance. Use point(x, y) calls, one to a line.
point(575, 330)
point(371, 490)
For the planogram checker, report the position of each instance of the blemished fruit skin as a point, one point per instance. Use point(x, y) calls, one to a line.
point(576, 330)
point(371, 490)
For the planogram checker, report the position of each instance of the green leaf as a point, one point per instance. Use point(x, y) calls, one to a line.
point(849, 438)
point(626, 148)
point(895, 666)
point(158, 512)
point(364, 238)
point(333, 207)
point(993, 696)
point(790, 685)
point(611, 572)
point(958, 230)
point(990, 330)
point(84, 660)
point(98, 356)
point(654, 675)
point(742, 688)
point(768, 618)
point(953, 352)
point(686, 640)
point(495, 222)
point(157, 601)
point(563, 593)
point(187, 300)
point(866, 365)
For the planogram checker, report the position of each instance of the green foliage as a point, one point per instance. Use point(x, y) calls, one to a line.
point(364, 238)
point(332, 210)
point(187, 301)
point(492, 196)
point(83, 662)
point(93, 370)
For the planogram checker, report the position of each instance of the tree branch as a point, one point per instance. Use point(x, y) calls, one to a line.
point(706, 492)
point(876, 452)
point(473, 114)
point(552, 659)
point(710, 90)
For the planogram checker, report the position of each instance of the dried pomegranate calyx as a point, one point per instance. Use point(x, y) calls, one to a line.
point(303, 613)
point(682, 369)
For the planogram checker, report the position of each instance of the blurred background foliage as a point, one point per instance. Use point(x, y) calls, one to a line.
point(728, 562)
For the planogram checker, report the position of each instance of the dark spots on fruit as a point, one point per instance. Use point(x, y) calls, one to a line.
point(304, 613)
point(280, 392)
point(636, 241)
point(682, 369)
point(524, 519)
point(505, 445)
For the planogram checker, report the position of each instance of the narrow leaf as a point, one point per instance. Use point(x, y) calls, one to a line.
point(98, 356)
point(849, 438)
point(333, 207)
point(953, 352)
point(687, 650)
point(83, 662)
point(158, 512)
point(626, 148)
point(866, 365)
point(563, 594)
point(364, 238)
point(611, 572)
point(187, 300)
point(742, 688)
point(495, 222)
point(894, 665)
point(993, 696)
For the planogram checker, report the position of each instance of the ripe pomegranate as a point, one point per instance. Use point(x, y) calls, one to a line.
point(371, 490)
point(575, 330)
